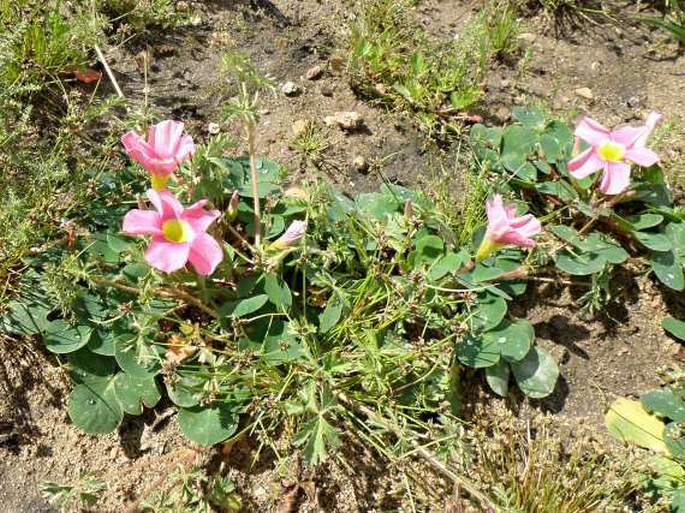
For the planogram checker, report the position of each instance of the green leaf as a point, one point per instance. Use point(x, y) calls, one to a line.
point(451, 262)
point(664, 403)
point(478, 352)
point(318, 435)
point(579, 264)
point(185, 390)
point(676, 233)
point(268, 178)
point(514, 338)
point(497, 377)
point(137, 355)
point(529, 118)
point(206, 425)
point(559, 189)
point(277, 290)
point(376, 204)
point(331, 314)
point(84, 365)
point(102, 341)
point(628, 421)
point(25, 318)
point(653, 241)
point(537, 374)
point(134, 393)
point(94, 407)
point(644, 221)
point(243, 307)
point(428, 249)
point(281, 344)
point(61, 337)
point(674, 327)
point(483, 273)
point(519, 166)
point(669, 269)
point(488, 312)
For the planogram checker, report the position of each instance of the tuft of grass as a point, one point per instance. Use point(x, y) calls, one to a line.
point(392, 62)
point(312, 142)
point(535, 471)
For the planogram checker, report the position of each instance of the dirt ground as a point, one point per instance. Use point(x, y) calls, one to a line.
point(628, 71)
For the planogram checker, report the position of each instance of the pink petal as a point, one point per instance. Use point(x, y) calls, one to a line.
point(164, 138)
point(527, 225)
point(142, 222)
point(653, 120)
point(591, 132)
point(642, 156)
point(184, 149)
point(585, 164)
point(616, 178)
point(627, 135)
point(136, 147)
point(199, 218)
point(167, 256)
point(166, 204)
point(517, 239)
point(497, 214)
point(205, 254)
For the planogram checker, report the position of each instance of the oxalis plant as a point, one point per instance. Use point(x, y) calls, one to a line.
point(304, 312)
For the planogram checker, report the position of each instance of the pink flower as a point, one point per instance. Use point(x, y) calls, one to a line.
point(504, 228)
point(178, 234)
point(166, 147)
point(292, 236)
point(613, 152)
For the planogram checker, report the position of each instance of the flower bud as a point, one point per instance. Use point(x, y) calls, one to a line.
point(232, 210)
point(292, 236)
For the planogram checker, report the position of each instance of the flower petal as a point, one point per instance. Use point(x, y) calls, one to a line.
point(167, 256)
point(585, 164)
point(164, 138)
point(166, 204)
point(527, 225)
point(517, 239)
point(627, 135)
point(616, 178)
point(205, 254)
point(137, 148)
point(591, 131)
point(199, 218)
point(184, 149)
point(652, 121)
point(642, 156)
point(142, 222)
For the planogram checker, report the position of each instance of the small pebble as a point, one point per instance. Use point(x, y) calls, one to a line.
point(213, 128)
point(291, 89)
point(326, 91)
point(585, 92)
point(360, 164)
point(300, 126)
point(314, 72)
point(347, 120)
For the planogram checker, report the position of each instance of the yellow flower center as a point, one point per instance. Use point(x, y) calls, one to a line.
point(611, 151)
point(159, 182)
point(176, 230)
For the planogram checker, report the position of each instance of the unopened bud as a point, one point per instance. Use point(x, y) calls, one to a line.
point(292, 236)
point(232, 210)
point(408, 209)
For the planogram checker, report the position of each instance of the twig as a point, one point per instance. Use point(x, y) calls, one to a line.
point(171, 294)
point(437, 465)
point(109, 71)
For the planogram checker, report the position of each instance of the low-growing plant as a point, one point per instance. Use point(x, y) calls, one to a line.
point(299, 311)
point(82, 495)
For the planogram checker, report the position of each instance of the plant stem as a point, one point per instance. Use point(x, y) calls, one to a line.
point(171, 294)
